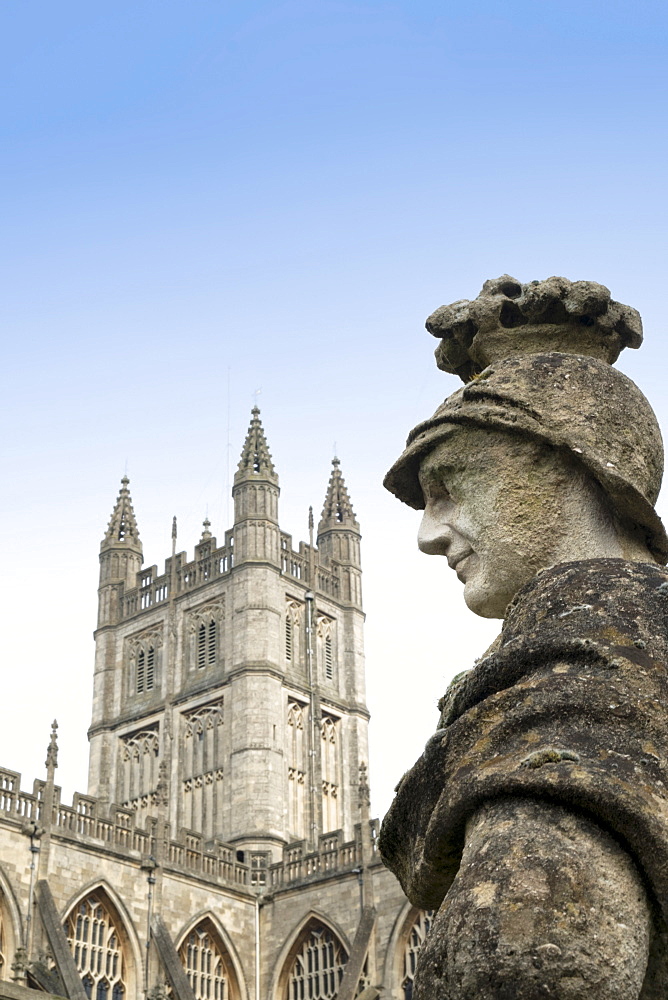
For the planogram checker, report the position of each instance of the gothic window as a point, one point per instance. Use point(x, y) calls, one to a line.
point(329, 667)
point(325, 641)
point(206, 963)
point(288, 637)
point(292, 622)
point(202, 760)
point(329, 732)
point(143, 656)
point(94, 942)
point(317, 968)
point(139, 769)
point(205, 634)
point(414, 941)
point(145, 669)
point(296, 768)
point(259, 863)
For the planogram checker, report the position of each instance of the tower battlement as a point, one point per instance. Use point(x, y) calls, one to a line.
point(235, 677)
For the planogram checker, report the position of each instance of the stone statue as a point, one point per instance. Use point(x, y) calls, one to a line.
point(536, 820)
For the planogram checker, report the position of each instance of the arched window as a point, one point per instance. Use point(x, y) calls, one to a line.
point(296, 769)
point(288, 637)
point(206, 964)
point(293, 651)
point(330, 773)
point(201, 646)
point(139, 762)
point(329, 661)
point(211, 643)
point(145, 669)
point(94, 941)
point(201, 768)
point(325, 638)
point(205, 647)
point(413, 942)
point(317, 967)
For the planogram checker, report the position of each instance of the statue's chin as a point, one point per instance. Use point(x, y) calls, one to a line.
point(484, 600)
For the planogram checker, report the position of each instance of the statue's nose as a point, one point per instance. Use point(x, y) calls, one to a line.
point(434, 535)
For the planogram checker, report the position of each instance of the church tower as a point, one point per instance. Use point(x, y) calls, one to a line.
point(236, 677)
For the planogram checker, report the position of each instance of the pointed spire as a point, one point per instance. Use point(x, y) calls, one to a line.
point(255, 456)
point(206, 534)
point(122, 528)
point(52, 749)
point(338, 510)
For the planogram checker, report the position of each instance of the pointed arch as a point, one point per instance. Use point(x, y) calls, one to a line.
point(403, 947)
point(236, 985)
point(328, 942)
point(11, 926)
point(112, 935)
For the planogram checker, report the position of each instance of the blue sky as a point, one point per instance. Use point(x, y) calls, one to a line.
point(273, 196)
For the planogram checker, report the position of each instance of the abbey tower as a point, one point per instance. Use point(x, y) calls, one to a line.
point(237, 676)
point(224, 849)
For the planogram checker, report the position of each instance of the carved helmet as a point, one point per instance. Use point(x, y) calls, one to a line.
point(536, 360)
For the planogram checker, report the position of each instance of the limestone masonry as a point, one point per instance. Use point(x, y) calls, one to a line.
point(224, 849)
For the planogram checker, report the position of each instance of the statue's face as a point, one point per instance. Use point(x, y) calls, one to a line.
point(500, 508)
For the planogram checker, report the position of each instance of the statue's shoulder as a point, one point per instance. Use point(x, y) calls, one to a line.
point(589, 610)
point(577, 599)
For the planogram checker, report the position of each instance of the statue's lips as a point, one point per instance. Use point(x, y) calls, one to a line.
point(457, 561)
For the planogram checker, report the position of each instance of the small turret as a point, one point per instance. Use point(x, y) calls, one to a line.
point(339, 534)
point(255, 492)
point(121, 555)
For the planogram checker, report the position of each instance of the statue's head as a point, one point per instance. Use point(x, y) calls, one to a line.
point(547, 454)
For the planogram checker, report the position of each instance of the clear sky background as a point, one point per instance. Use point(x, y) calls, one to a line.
point(206, 198)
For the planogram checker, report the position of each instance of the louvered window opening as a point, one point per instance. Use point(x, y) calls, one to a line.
point(94, 943)
point(318, 968)
point(207, 644)
point(288, 638)
point(329, 661)
point(145, 670)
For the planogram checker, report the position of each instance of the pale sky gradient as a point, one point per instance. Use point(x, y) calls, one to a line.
point(275, 195)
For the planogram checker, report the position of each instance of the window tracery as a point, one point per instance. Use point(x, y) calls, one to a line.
point(204, 960)
point(318, 966)
point(202, 762)
point(292, 626)
point(143, 658)
point(325, 639)
point(139, 752)
point(296, 767)
point(414, 941)
point(94, 942)
point(205, 628)
point(329, 732)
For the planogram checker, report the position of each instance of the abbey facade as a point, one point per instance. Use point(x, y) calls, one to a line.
point(225, 848)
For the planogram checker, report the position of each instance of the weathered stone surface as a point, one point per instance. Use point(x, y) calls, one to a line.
point(571, 710)
point(556, 901)
point(577, 404)
point(577, 317)
point(536, 821)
